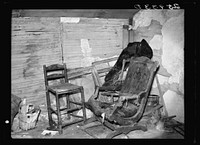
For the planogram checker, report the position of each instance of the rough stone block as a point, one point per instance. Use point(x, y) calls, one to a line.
point(175, 105)
point(143, 18)
point(156, 42)
point(148, 32)
point(173, 44)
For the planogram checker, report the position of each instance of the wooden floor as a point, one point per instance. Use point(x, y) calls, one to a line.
point(100, 132)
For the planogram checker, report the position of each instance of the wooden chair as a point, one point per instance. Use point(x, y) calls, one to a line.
point(129, 108)
point(98, 73)
point(63, 89)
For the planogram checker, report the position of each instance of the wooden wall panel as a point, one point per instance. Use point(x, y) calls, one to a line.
point(105, 38)
point(89, 13)
point(35, 42)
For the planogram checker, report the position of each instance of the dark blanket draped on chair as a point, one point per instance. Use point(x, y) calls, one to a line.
point(135, 49)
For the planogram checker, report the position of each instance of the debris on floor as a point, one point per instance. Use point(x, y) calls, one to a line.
point(15, 125)
point(15, 105)
point(49, 132)
point(156, 130)
point(75, 131)
point(89, 113)
point(26, 117)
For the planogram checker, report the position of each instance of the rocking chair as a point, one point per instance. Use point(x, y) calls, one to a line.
point(123, 114)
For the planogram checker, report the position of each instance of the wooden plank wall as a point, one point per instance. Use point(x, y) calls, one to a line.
point(35, 41)
point(104, 37)
point(89, 13)
point(46, 40)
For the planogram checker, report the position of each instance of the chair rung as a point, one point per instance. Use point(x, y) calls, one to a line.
point(104, 70)
point(71, 110)
point(74, 109)
point(62, 109)
point(55, 76)
point(77, 103)
point(105, 61)
point(70, 123)
point(54, 111)
point(76, 116)
point(67, 110)
point(54, 67)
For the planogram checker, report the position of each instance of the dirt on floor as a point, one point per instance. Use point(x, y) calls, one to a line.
point(75, 131)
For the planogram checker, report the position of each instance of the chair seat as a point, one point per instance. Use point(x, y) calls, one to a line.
point(107, 88)
point(64, 88)
point(117, 93)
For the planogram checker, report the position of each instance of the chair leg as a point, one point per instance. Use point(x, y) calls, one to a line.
point(51, 122)
point(125, 130)
point(83, 104)
point(67, 101)
point(59, 115)
point(68, 105)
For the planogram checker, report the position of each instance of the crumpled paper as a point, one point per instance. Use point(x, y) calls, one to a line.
point(49, 132)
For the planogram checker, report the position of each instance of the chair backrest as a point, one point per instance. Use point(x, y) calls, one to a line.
point(145, 81)
point(97, 73)
point(55, 72)
point(138, 75)
point(138, 81)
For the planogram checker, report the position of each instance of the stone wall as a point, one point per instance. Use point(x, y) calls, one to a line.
point(164, 31)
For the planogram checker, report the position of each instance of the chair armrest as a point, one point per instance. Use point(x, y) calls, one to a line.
point(109, 93)
point(107, 88)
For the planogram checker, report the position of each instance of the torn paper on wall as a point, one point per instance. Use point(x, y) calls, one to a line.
point(69, 20)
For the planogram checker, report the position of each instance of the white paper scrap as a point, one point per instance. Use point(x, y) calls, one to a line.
point(46, 132)
point(69, 20)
